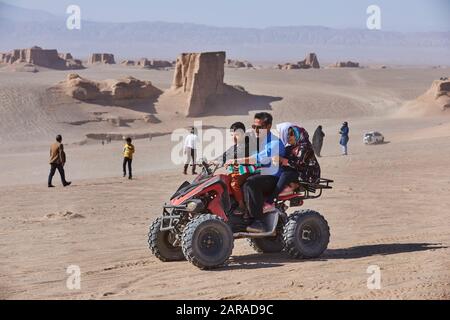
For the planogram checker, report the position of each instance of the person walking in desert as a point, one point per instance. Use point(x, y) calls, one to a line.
point(57, 162)
point(317, 140)
point(344, 138)
point(128, 152)
point(190, 148)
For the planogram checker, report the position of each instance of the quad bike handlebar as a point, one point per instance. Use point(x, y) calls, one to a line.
point(209, 168)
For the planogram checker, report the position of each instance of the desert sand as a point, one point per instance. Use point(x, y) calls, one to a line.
point(389, 206)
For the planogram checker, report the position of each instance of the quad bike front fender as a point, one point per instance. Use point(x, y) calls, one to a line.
point(215, 187)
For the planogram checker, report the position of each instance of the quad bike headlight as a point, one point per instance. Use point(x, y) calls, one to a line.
point(194, 206)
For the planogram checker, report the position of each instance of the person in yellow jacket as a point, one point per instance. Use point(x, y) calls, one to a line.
point(128, 151)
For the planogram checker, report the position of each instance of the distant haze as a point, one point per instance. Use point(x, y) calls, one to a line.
point(22, 28)
point(398, 15)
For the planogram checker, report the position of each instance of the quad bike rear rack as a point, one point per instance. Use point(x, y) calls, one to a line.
point(314, 190)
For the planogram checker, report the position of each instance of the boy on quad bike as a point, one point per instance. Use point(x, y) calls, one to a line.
point(200, 225)
point(239, 173)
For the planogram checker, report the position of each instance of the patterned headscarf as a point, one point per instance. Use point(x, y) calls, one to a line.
point(283, 129)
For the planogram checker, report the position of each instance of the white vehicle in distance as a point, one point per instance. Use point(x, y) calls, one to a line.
point(373, 137)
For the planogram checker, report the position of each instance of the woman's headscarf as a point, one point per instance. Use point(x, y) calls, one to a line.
point(284, 127)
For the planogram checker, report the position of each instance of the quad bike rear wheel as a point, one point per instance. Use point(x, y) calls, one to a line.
point(306, 234)
point(161, 243)
point(207, 241)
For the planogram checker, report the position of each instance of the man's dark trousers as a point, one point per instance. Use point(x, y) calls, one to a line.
point(53, 167)
point(255, 190)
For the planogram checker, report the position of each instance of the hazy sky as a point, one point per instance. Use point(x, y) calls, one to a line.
point(397, 15)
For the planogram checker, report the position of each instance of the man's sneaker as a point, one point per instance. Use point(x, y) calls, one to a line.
point(256, 227)
point(130, 178)
point(67, 184)
point(268, 207)
point(51, 186)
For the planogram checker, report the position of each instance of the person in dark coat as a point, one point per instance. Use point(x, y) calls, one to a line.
point(57, 162)
point(344, 138)
point(317, 141)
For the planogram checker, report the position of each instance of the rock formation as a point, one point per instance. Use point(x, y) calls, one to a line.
point(128, 88)
point(65, 56)
point(238, 64)
point(198, 88)
point(101, 58)
point(42, 58)
point(143, 62)
point(288, 66)
point(310, 61)
point(128, 62)
point(199, 76)
point(154, 64)
point(346, 64)
point(149, 63)
point(437, 97)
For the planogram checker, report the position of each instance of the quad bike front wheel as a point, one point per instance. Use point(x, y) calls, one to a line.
point(161, 243)
point(207, 241)
point(306, 234)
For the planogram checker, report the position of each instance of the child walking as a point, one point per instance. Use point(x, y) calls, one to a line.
point(128, 151)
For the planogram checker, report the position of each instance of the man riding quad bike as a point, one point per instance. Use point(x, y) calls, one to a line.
point(199, 224)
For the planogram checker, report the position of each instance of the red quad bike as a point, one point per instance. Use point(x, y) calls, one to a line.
point(199, 224)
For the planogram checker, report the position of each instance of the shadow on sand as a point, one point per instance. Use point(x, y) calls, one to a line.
point(261, 261)
point(379, 143)
point(237, 101)
point(139, 105)
point(379, 249)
